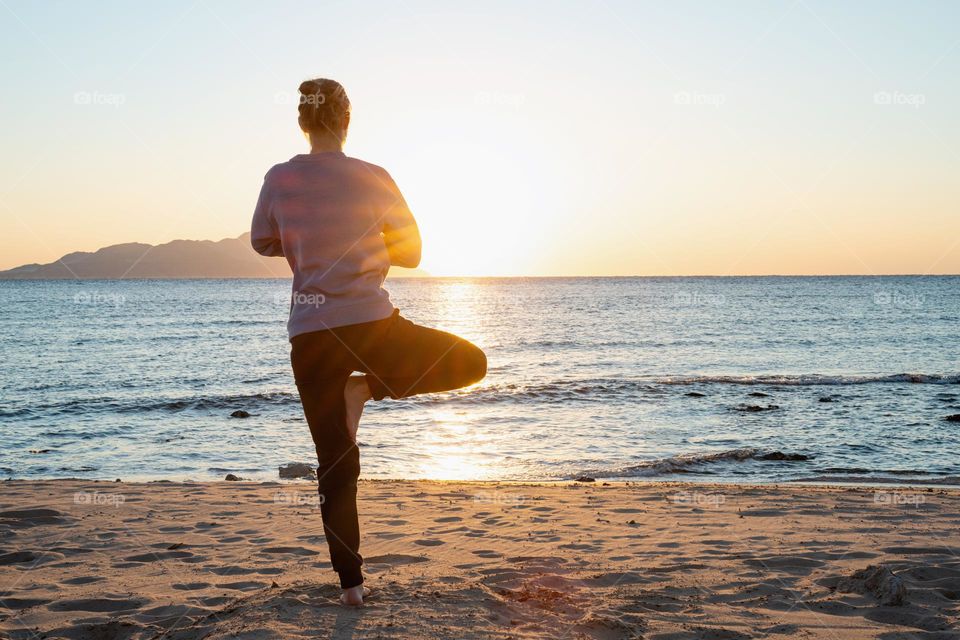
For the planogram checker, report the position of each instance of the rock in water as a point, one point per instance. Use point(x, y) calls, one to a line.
point(779, 455)
point(295, 470)
point(240, 413)
point(954, 418)
point(232, 478)
point(585, 479)
point(753, 408)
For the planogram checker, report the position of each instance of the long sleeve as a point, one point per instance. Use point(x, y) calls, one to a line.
point(400, 232)
point(264, 235)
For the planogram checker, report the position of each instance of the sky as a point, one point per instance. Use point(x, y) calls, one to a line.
point(595, 137)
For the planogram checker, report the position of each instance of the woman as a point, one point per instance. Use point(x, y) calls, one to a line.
point(341, 223)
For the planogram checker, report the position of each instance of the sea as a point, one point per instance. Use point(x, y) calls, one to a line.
point(719, 379)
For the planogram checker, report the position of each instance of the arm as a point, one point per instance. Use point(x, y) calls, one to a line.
point(400, 232)
point(264, 235)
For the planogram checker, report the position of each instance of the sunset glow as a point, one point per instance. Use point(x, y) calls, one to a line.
point(569, 139)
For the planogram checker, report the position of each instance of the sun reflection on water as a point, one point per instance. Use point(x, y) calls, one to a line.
point(454, 450)
point(458, 310)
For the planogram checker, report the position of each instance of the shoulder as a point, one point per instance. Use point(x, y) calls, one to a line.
point(281, 175)
point(375, 169)
point(373, 172)
point(274, 172)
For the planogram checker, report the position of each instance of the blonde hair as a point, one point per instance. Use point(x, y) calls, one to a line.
point(324, 107)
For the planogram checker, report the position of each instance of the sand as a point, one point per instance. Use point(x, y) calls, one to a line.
point(104, 560)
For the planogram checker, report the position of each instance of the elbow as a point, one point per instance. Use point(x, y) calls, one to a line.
point(413, 260)
point(267, 247)
point(404, 253)
point(408, 260)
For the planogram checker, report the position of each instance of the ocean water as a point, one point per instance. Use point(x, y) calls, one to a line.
point(840, 379)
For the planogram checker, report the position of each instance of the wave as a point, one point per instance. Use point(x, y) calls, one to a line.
point(146, 404)
point(601, 389)
point(871, 479)
point(692, 463)
point(812, 380)
point(558, 391)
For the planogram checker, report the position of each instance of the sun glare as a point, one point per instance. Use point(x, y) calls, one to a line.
point(448, 457)
point(478, 208)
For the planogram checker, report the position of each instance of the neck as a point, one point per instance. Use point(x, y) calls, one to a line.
point(325, 144)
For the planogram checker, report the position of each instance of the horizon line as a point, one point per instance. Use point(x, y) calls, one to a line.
point(520, 277)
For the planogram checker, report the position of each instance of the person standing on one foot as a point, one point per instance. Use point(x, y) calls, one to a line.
point(341, 223)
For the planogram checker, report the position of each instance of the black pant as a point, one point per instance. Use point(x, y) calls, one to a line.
point(399, 359)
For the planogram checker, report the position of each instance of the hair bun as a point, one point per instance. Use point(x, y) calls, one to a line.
point(324, 106)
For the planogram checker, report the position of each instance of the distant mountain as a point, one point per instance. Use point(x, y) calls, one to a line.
point(227, 258)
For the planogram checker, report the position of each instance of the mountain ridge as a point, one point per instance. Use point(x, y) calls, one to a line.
point(177, 259)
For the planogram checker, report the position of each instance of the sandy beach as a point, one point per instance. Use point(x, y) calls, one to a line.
point(105, 560)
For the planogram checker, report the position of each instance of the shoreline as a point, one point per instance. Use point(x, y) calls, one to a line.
point(886, 483)
point(451, 559)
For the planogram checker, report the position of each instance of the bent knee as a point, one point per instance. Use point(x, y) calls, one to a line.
point(474, 363)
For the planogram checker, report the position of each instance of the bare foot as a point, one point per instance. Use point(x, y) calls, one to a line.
point(353, 597)
point(355, 394)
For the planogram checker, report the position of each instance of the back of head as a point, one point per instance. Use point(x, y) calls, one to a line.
point(324, 108)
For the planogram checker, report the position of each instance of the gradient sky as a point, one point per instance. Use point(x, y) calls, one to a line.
point(552, 138)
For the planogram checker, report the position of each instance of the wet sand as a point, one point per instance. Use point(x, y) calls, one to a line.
point(103, 560)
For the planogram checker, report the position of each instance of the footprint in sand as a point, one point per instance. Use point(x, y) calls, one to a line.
point(190, 586)
point(17, 604)
point(177, 529)
point(18, 557)
point(159, 556)
point(297, 551)
point(248, 585)
point(794, 563)
point(83, 580)
point(921, 551)
point(98, 605)
point(23, 518)
point(313, 538)
point(429, 542)
point(388, 535)
point(394, 559)
point(231, 571)
point(35, 559)
point(185, 614)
